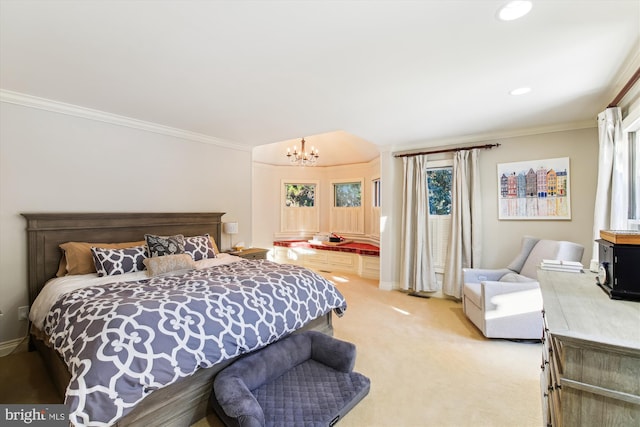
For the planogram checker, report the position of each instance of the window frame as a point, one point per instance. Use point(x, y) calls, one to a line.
point(375, 206)
point(295, 220)
point(376, 192)
point(334, 194)
point(631, 126)
point(439, 225)
point(347, 219)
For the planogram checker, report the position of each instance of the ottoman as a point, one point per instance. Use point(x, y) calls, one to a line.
point(306, 379)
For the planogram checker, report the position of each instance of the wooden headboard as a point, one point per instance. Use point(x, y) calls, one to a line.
point(45, 231)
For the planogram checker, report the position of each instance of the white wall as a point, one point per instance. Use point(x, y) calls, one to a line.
point(266, 194)
point(501, 239)
point(52, 162)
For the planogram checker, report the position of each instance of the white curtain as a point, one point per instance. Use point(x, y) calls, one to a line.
point(612, 203)
point(417, 273)
point(466, 217)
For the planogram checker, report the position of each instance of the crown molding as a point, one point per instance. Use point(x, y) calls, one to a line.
point(628, 68)
point(101, 116)
point(471, 139)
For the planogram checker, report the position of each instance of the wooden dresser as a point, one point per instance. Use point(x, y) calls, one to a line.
point(591, 354)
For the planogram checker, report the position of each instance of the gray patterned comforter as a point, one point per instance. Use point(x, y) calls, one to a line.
point(124, 340)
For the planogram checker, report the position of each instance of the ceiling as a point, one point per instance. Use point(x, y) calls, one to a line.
point(394, 74)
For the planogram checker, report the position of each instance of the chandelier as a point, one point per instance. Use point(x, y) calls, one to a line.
point(302, 158)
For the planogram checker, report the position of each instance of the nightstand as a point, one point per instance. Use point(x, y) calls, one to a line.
point(251, 253)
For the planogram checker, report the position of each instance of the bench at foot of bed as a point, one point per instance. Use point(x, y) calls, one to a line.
point(304, 379)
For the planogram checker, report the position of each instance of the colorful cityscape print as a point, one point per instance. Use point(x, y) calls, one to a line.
point(537, 189)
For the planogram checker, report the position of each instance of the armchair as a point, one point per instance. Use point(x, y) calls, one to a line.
point(507, 302)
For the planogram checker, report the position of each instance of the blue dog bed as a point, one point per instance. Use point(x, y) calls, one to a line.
point(306, 379)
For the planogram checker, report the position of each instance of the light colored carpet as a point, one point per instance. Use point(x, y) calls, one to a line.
point(429, 366)
point(24, 379)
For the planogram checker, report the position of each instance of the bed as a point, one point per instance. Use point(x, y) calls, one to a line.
point(183, 401)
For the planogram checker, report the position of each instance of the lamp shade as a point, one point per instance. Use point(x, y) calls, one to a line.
point(230, 227)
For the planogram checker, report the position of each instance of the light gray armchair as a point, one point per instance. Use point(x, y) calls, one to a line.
point(507, 302)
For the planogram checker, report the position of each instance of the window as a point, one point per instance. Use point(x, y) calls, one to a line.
point(347, 194)
point(375, 208)
point(376, 193)
point(299, 195)
point(439, 183)
point(439, 179)
point(347, 212)
point(299, 212)
point(631, 125)
point(634, 184)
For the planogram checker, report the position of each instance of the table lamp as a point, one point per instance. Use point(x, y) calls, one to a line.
point(230, 228)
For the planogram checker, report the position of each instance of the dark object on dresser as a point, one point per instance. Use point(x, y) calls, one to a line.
point(304, 379)
point(618, 275)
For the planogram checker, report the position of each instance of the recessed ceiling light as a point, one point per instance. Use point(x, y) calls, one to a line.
point(514, 10)
point(520, 91)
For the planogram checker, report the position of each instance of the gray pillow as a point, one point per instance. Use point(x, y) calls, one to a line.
point(199, 247)
point(164, 245)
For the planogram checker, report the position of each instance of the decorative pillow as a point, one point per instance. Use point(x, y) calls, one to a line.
point(110, 262)
point(199, 247)
point(168, 263)
point(215, 246)
point(78, 259)
point(164, 245)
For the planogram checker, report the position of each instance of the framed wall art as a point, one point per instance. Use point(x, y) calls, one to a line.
point(534, 189)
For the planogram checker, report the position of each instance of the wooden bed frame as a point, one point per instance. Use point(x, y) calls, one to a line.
point(179, 404)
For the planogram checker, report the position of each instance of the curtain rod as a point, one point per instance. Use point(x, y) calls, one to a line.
point(625, 89)
point(448, 150)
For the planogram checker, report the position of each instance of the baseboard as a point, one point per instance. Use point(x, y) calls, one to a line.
point(7, 347)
